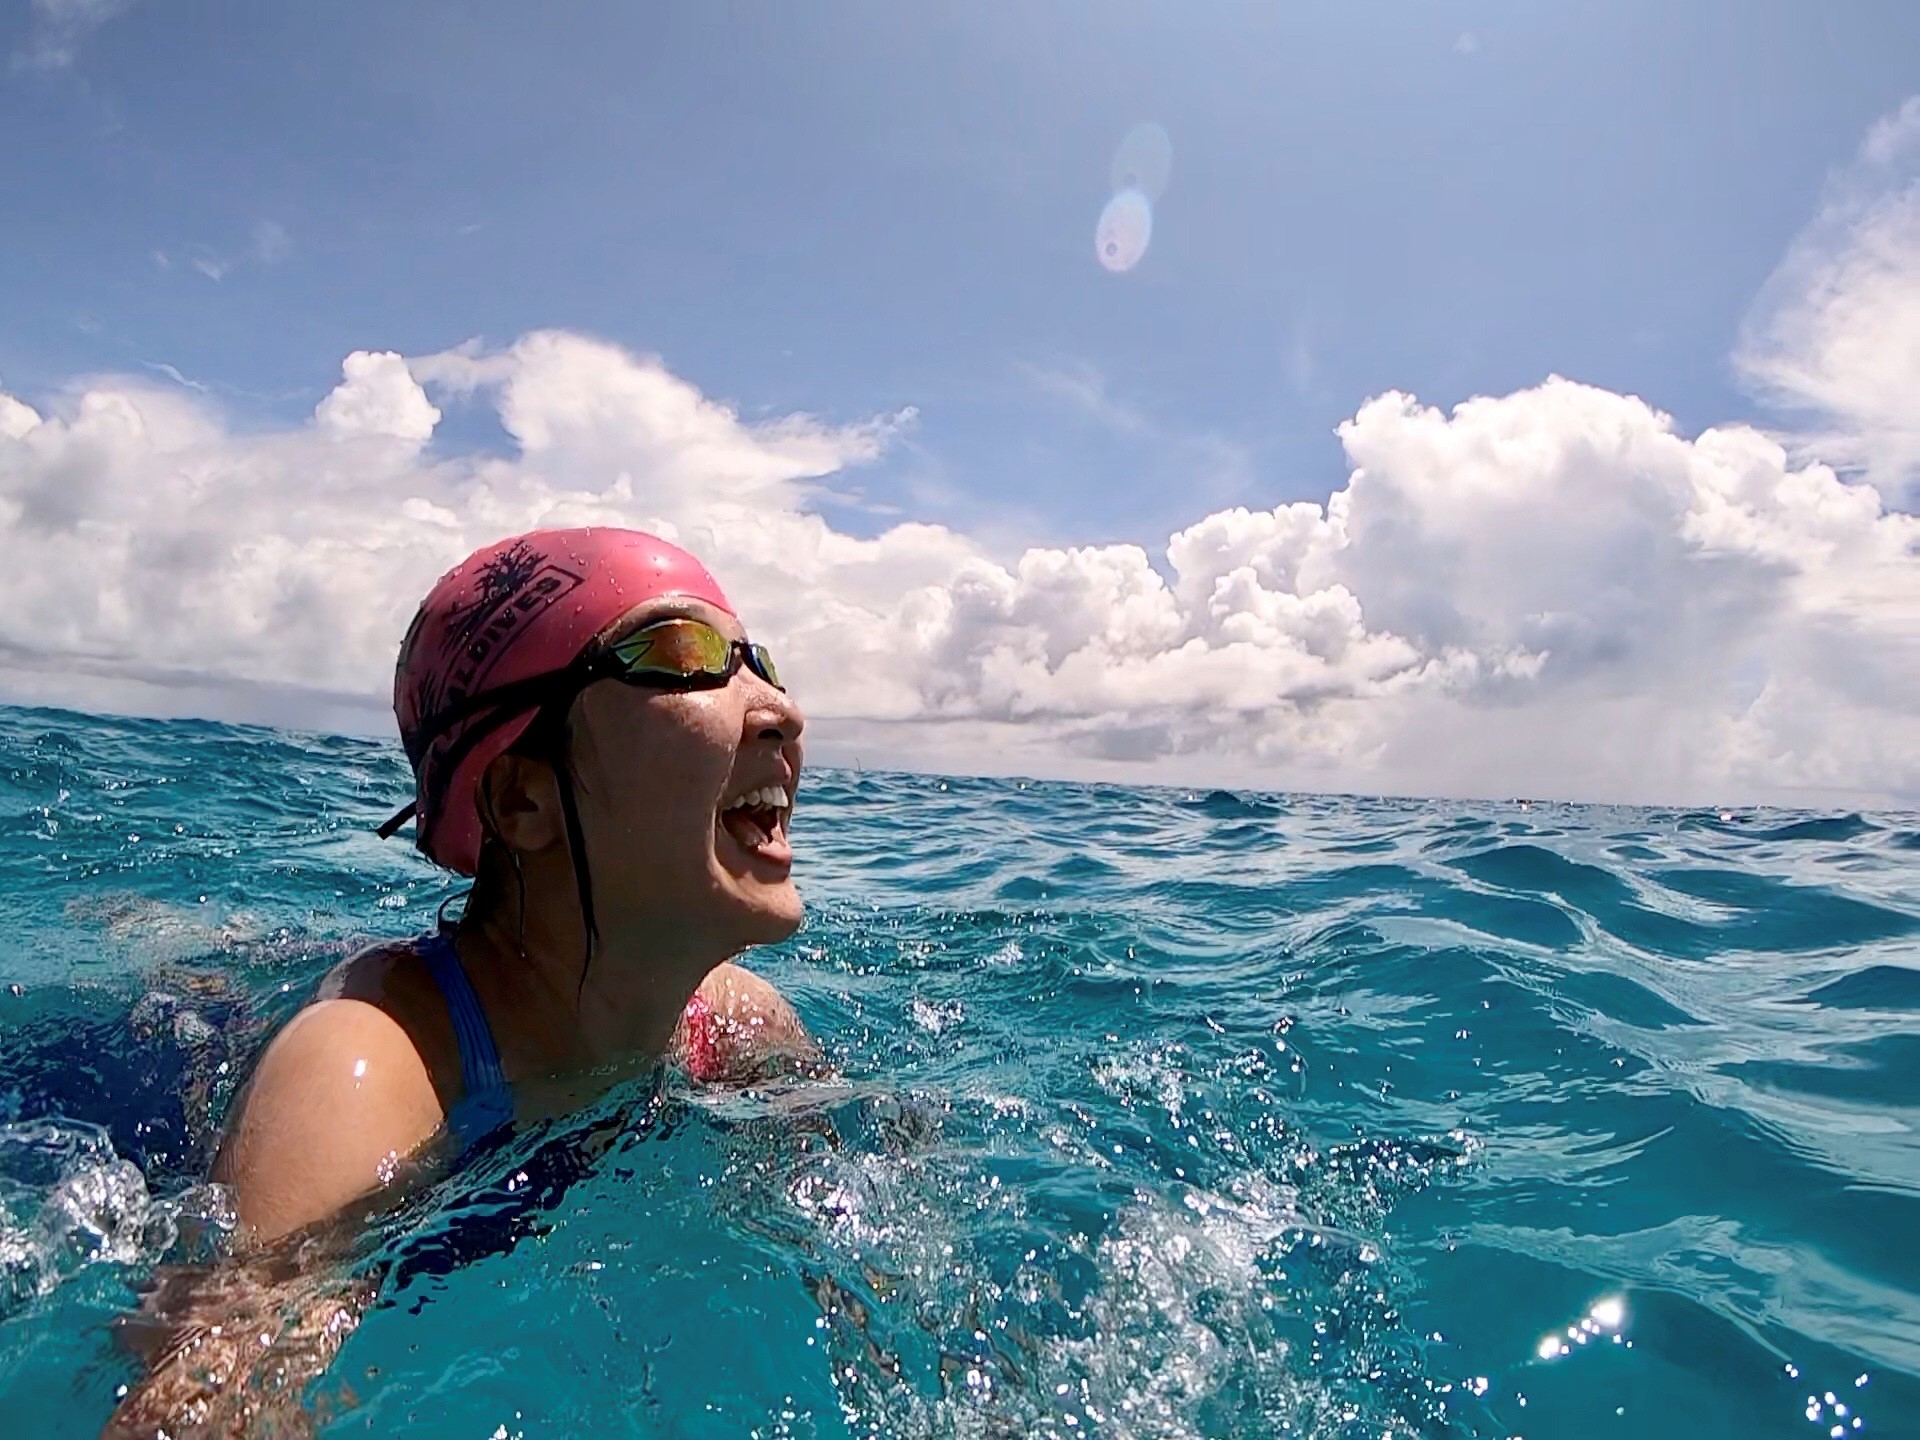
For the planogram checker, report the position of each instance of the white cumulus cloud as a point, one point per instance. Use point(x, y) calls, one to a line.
point(1550, 592)
point(377, 397)
point(1547, 592)
point(1837, 331)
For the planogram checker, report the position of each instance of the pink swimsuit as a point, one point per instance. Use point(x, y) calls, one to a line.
point(704, 1060)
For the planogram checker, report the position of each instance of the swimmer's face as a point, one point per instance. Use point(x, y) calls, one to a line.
point(659, 777)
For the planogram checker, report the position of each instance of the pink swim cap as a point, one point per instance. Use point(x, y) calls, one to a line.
point(516, 610)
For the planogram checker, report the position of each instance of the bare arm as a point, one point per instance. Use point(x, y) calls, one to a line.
point(232, 1346)
point(339, 1100)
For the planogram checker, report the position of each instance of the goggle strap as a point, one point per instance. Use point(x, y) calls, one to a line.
point(494, 699)
point(505, 711)
point(390, 827)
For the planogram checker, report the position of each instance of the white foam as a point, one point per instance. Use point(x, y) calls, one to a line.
point(68, 1201)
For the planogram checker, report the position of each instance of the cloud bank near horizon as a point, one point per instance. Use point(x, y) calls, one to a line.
point(1550, 592)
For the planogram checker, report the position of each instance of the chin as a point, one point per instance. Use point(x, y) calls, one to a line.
point(769, 918)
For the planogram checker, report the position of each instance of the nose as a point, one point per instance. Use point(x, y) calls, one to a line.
point(774, 715)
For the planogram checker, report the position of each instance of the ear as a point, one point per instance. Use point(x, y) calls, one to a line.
point(520, 800)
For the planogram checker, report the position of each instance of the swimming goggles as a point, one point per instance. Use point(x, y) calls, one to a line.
point(677, 653)
point(682, 654)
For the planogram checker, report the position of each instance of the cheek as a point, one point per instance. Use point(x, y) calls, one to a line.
point(662, 768)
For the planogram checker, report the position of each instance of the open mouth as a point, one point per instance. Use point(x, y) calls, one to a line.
point(757, 821)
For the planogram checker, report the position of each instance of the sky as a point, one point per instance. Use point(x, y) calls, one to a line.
point(1502, 399)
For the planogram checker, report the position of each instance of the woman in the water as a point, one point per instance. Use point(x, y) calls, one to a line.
point(596, 742)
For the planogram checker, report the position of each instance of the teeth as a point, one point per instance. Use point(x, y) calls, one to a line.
point(772, 797)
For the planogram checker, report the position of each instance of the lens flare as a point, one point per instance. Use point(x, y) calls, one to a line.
point(1124, 231)
point(1144, 161)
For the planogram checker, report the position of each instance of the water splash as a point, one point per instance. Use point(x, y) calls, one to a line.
point(68, 1201)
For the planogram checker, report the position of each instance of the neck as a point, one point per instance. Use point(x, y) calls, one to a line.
point(546, 1020)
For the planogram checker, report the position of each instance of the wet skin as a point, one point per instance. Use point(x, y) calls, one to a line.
point(363, 1078)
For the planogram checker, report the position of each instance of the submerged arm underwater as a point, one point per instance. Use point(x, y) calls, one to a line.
point(231, 1348)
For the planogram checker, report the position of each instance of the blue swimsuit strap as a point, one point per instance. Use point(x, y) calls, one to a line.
point(485, 1102)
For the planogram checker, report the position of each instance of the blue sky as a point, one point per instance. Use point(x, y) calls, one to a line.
point(851, 209)
point(997, 507)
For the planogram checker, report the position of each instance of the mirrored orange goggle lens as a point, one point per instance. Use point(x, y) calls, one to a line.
point(676, 647)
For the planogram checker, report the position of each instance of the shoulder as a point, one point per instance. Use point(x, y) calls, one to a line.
point(372, 972)
point(734, 992)
point(338, 1099)
point(739, 1027)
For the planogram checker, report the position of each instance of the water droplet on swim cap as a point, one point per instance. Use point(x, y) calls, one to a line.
point(1125, 228)
point(1144, 161)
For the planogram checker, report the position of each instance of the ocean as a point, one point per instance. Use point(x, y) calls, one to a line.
point(1159, 1112)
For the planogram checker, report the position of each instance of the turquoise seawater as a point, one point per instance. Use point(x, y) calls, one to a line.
point(1164, 1113)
